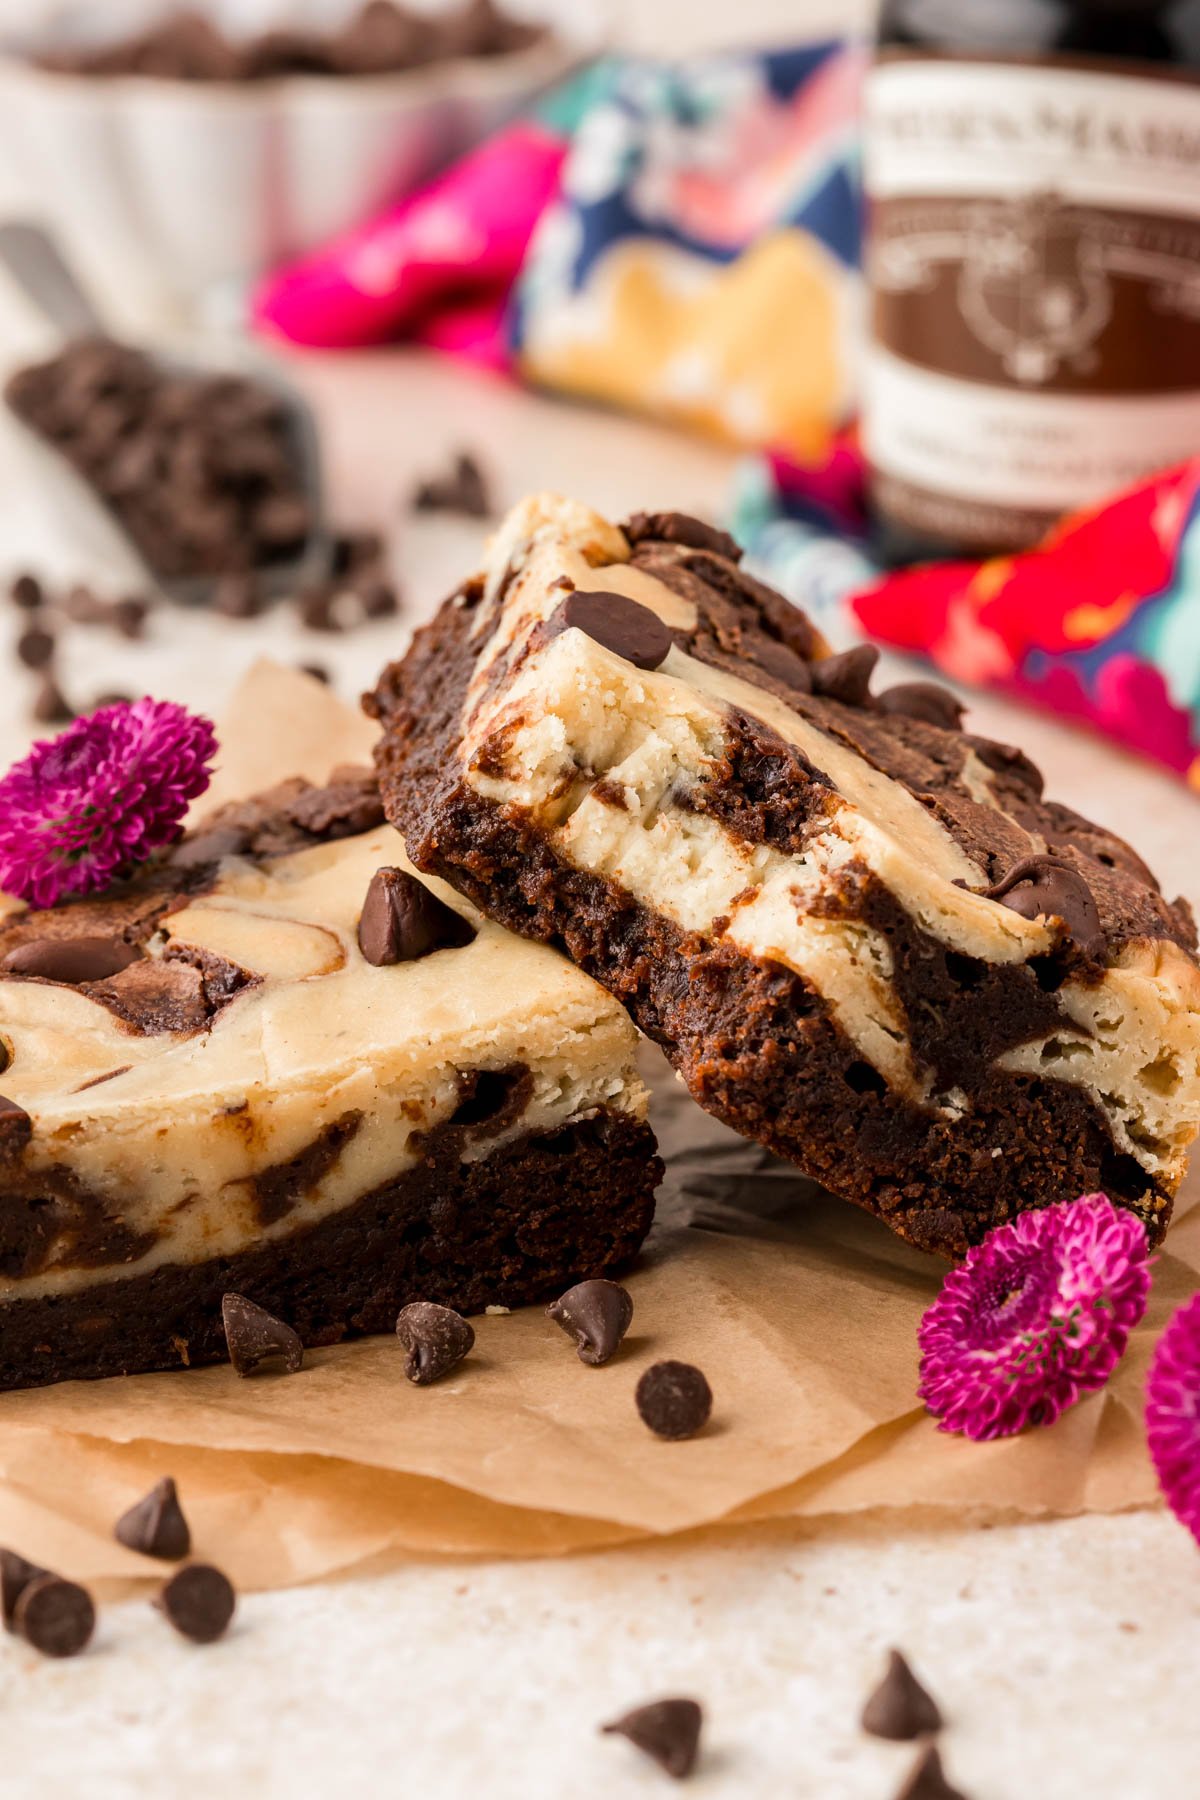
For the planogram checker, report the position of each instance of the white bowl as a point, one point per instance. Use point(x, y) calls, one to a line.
point(166, 192)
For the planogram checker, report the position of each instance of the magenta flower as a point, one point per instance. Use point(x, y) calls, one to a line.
point(1173, 1414)
point(1038, 1315)
point(84, 807)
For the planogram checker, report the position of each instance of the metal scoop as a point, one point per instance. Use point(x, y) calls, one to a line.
point(34, 260)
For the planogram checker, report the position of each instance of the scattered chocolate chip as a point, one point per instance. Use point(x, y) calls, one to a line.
point(15, 1576)
point(666, 1730)
point(318, 671)
point(55, 1616)
point(71, 960)
point(674, 1399)
point(900, 1708)
point(681, 528)
point(846, 676)
point(129, 616)
point(16, 1127)
point(255, 1336)
point(926, 1780)
point(621, 625)
point(50, 705)
point(35, 647)
point(435, 1340)
point(926, 700)
point(462, 490)
point(401, 921)
point(1048, 887)
point(597, 1314)
point(199, 1602)
point(379, 599)
point(155, 1526)
point(237, 597)
point(112, 699)
point(26, 592)
point(82, 606)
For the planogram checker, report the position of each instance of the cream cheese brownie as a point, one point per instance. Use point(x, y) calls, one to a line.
point(274, 1062)
point(863, 936)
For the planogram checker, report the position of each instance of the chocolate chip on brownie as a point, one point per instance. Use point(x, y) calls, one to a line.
point(72, 960)
point(674, 1399)
point(681, 528)
point(256, 1336)
point(846, 676)
point(597, 1314)
point(401, 920)
point(199, 1602)
point(55, 1616)
point(1049, 887)
point(927, 700)
point(624, 626)
point(434, 1338)
point(155, 1525)
point(900, 1708)
point(668, 1731)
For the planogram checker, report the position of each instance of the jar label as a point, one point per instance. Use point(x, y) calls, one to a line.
point(1034, 259)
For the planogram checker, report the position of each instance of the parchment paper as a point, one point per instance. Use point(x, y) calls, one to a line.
point(802, 1312)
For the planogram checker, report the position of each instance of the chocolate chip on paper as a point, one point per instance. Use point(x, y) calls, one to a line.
point(50, 705)
point(35, 647)
point(674, 1399)
point(256, 1336)
point(401, 921)
point(900, 1709)
point(199, 1602)
point(624, 626)
point(55, 1616)
point(926, 1780)
point(666, 1730)
point(597, 1314)
point(155, 1525)
point(463, 489)
point(25, 592)
point(16, 1573)
point(435, 1340)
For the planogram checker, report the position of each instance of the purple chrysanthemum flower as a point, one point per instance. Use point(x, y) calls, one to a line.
point(1173, 1414)
point(1038, 1315)
point(84, 807)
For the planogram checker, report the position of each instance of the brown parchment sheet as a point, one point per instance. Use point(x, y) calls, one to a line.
point(802, 1312)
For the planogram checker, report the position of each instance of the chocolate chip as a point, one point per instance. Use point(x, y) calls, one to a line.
point(926, 700)
point(26, 592)
point(71, 960)
point(681, 528)
point(900, 1708)
point(1007, 760)
point(237, 597)
point(674, 1399)
point(435, 1340)
point(155, 1526)
point(199, 1602)
point(35, 647)
point(401, 921)
point(624, 626)
point(50, 705)
point(129, 616)
point(780, 661)
point(1048, 887)
point(926, 1780)
point(255, 1336)
point(318, 671)
point(16, 1127)
point(846, 676)
point(666, 1730)
point(597, 1315)
point(462, 490)
point(57, 1617)
point(15, 1576)
point(379, 599)
point(114, 698)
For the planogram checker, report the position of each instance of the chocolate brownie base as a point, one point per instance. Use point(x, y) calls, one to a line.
point(953, 1098)
point(524, 1221)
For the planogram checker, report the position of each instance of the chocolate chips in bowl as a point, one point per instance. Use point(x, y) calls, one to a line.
point(208, 474)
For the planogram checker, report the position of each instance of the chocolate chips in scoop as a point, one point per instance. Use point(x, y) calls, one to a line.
point(199, 1602)
point(55, 1616)
point(401, 921)
point(435, 1340)
point(674, 1399)
point(16, 1573)
point(597, 1314)
point(666, 1730)
point(155, 1525)
point(255, 1336)
point(621, 625)
point(1048, 887)
point(900, 1708)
